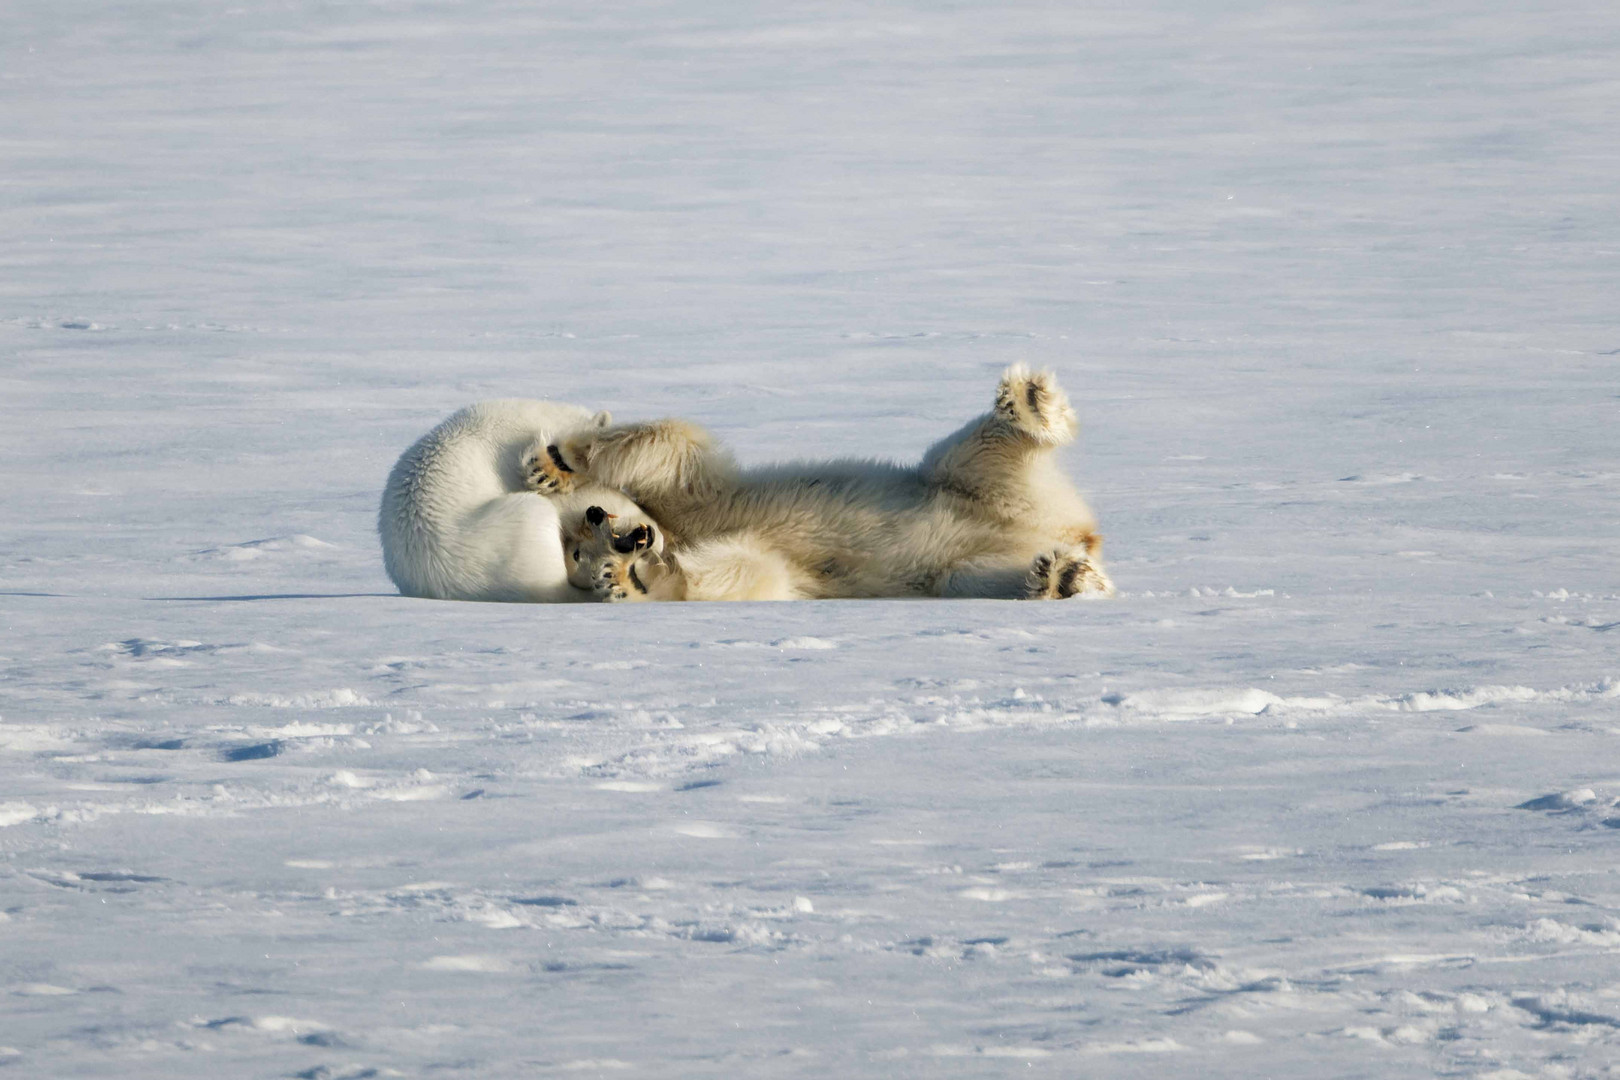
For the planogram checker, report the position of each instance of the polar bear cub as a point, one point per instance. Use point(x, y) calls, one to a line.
point(987, 513)
point(459, 523)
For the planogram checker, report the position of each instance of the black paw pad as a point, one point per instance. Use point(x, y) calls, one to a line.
point(637, 539)
point(557, 458)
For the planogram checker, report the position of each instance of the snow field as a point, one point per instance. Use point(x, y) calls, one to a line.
point(1329, 790)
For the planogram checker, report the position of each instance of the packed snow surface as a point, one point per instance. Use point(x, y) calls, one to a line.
point(1328, 790)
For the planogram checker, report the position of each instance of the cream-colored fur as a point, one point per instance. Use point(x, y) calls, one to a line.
point(460, 519)
point(988, 513)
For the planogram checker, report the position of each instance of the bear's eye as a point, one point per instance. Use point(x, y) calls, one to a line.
point(576, 554)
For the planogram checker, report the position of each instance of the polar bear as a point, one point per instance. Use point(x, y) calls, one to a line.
point(987, 513)
point(458, 523)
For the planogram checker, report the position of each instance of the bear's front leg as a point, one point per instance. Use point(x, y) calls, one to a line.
point(619, 578)
point(653, 463)
point(620, 566)
point(546, 471)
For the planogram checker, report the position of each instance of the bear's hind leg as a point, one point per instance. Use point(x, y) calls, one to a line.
point(985, 581)
point(1064, 573)
point(1003, 460)
point(738, 567)
point(1034, 405)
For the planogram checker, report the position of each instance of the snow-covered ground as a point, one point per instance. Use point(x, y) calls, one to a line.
point(1329, 790)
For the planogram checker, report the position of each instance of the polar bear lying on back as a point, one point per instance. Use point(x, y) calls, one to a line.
point(988, 513)
point(458, 521)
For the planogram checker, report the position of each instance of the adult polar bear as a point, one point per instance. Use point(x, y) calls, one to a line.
point(988, 513)
point(458, 521)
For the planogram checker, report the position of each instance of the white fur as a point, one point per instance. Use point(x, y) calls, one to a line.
point(460, 521)
point(987, 513)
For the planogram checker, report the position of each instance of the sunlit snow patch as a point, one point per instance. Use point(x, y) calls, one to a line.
point(1437, 700)
point(39, 989)
point(1562, 800)
point(1194, 704)
point(339, 698)
point(294, 546)
point(488, 964)
point(15, 813)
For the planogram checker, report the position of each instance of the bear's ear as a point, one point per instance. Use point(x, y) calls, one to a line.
point(602, 419)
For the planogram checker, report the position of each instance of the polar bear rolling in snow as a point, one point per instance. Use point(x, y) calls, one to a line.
point(988, 513)
point(458, 521)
